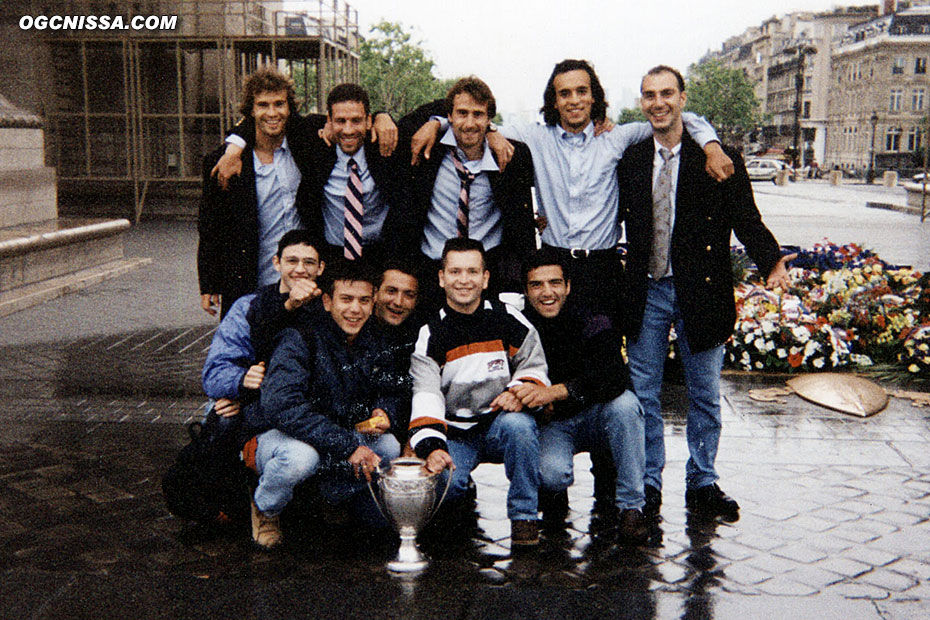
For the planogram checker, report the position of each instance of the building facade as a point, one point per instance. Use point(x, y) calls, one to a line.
point(879, 94)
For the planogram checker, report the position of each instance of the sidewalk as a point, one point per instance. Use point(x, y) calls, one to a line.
point(95, 389)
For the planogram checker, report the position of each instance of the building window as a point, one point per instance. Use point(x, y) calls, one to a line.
point(893, 139)
point(807, 109)
point(917, 99)
point(913, 139)
point(894, 102)
point(920, 65)
point(897, 65)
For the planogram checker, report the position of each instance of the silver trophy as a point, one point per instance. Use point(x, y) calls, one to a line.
point(408, 501)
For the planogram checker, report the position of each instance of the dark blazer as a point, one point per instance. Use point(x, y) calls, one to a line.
point(227, 254)
point(705, 214)
point(316, 164)
point(510, 189)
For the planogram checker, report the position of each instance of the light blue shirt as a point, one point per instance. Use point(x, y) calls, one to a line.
point(276, 187)
point(576, 177)
point(484, 217)
point(334, 200)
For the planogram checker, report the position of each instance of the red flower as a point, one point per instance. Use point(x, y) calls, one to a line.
point(795, 359)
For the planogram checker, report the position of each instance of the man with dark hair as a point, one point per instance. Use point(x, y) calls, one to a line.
point(593, 409)
point(348, 190)
point(240, 228)
point(323, 385)
point(466, 360)
point(678, 225)
point(462, 191)
point(240, 349)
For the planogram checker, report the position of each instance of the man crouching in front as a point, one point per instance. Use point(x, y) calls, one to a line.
point(324, 383)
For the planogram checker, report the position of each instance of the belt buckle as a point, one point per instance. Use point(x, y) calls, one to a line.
point(579, 253)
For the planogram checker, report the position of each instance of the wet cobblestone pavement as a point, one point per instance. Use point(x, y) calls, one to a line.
point(835, 519)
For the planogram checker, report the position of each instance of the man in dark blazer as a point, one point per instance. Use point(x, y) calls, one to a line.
point(240, 227)
point(678, 223)
point(379, 175)
point(498, 210)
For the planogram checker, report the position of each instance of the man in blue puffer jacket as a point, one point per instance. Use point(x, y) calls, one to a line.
point(329, 402)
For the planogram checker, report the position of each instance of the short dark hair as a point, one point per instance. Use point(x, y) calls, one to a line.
point(266, 79)
point(665, 69)
point(340, 269)
point(402, 265)
point(298, 236)
point(463, 244)
point(347, 92)
point(598, 109)
point(543, 257)
point(478, 90)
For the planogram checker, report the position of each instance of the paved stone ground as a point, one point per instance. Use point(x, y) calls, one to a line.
point(835, 509)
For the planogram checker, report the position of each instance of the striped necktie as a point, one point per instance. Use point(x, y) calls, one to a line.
point(466, 177)
point(354, 210)
point(662, 218)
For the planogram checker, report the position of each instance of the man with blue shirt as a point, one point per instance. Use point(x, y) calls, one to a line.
point(348, 189)
point(463, 193)
point(240, 228)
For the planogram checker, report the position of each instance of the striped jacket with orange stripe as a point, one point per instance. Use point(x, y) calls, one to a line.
point(461, 362)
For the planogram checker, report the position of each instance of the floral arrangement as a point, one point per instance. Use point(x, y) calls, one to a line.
point(846, 308)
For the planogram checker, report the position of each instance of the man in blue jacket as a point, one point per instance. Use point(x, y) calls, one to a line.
point(241, 346)
point(324, 384)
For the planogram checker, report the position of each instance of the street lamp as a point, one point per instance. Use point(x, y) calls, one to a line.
point(801, 48)
point(870, 175)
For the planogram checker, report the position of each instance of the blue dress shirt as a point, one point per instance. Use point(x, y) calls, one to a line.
point(484, 217)
point(276, 188)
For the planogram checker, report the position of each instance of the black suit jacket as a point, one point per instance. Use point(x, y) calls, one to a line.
point(316, 163)
point(227, 253)
point(510, 189)
point(705, 214)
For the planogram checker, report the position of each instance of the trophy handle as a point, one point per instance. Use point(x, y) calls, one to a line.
point(444, 491)
point(375, 497)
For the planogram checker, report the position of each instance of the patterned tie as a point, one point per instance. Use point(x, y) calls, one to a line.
point(354, 210)
point(662, 218)
point(466, 177)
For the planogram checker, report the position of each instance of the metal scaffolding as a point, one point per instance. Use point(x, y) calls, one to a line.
point(134, 112)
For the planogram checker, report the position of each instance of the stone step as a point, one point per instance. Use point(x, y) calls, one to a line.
point(44, 260)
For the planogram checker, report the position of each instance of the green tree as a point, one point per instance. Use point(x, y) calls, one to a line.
point(724, 96)
point(630, 115)
point(396, 71)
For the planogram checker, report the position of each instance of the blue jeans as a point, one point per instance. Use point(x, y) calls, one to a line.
point(616, 426)
point(284, 462)
point(512, 439)
point(702, 379)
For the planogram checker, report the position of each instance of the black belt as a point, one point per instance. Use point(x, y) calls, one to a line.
point(577, 253)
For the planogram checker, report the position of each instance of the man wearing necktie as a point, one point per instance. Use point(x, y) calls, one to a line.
point(678, 225)
point(462, 192)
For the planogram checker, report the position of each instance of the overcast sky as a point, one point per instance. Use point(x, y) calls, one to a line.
point(513, 45)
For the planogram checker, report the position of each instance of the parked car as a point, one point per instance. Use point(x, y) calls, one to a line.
point(763, 169)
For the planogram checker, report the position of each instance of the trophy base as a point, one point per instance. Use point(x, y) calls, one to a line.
point(409, 559)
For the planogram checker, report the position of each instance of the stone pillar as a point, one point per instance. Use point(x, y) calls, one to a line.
point(836, 177)
point(890, 179)
point(781, 177)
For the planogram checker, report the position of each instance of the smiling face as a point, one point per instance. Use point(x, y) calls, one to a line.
point(297, 262)
point(662, 101)
point(463, 278)
point(350, 125)
point(470, 122)
point(573, 99)
point(350, 305)
point(270, 111)
point(547, 289)
point(396, 297)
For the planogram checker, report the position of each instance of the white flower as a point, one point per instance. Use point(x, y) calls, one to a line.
point(818, 362)
point(782, 354)
point(800, 333)
point(759, 365)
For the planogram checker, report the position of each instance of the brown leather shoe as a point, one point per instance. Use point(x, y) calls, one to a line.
point(266, 531)
point(631, 527)
point(524, 533)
